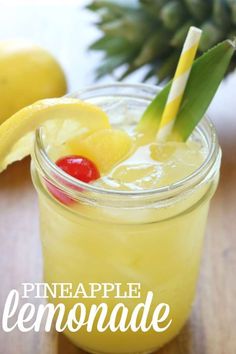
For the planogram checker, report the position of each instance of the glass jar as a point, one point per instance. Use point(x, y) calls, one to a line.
point(150, 237)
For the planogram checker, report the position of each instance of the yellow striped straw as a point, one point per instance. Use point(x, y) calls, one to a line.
point(179, 82)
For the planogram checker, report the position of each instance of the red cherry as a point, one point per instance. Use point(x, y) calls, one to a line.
point(78, 167)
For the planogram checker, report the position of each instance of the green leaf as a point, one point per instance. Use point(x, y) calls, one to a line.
point(110, 64)
point(106, 16)
point(154, 46)
point(172, 14)
point(151, 118)
point(128, 71)
point(153, 6)
point(167, 69)
point(114, 5)
point(205, 77)
point(211, 34)
point(203, 83)
point(150, 73)
point(112, 45)
point(221, 15)
point(179, 36)
point(232, 5)
point(126, 26)
point(114, 58)
point(199, 9)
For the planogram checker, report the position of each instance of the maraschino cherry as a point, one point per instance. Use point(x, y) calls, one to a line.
point(78, 167)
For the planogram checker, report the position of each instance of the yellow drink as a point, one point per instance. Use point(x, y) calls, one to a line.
point(145, 228)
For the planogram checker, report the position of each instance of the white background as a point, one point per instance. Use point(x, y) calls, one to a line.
point(66, 29)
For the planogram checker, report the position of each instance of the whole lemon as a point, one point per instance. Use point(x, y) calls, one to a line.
point(27, 73)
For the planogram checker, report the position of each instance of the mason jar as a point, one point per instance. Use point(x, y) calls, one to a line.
point(149, 237)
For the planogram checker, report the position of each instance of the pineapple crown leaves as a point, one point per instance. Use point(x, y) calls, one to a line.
point(151, 33)
point(205, 77)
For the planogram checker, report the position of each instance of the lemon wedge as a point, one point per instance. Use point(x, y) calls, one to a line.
point(64, 117)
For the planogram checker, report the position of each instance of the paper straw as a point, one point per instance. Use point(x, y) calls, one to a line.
point(179, 82)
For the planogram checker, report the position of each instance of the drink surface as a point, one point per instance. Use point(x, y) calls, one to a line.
point(154, 165)
point(146, 163)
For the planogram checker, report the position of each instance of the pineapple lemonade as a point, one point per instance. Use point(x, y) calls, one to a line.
point(141, 219)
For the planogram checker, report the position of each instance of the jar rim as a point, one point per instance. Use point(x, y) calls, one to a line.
point(204, 171)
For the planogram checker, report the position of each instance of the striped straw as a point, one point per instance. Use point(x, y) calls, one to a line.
point(179, 82)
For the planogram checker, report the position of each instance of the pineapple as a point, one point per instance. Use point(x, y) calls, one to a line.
point(151, 33)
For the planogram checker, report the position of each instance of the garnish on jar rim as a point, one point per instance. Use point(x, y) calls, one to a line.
point(206, 75)
point(79, 167)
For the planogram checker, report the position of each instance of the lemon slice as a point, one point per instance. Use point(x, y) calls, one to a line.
point(63, 118)
point(105, 147)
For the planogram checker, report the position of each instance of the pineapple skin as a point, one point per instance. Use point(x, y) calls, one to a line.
point(151, 33)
